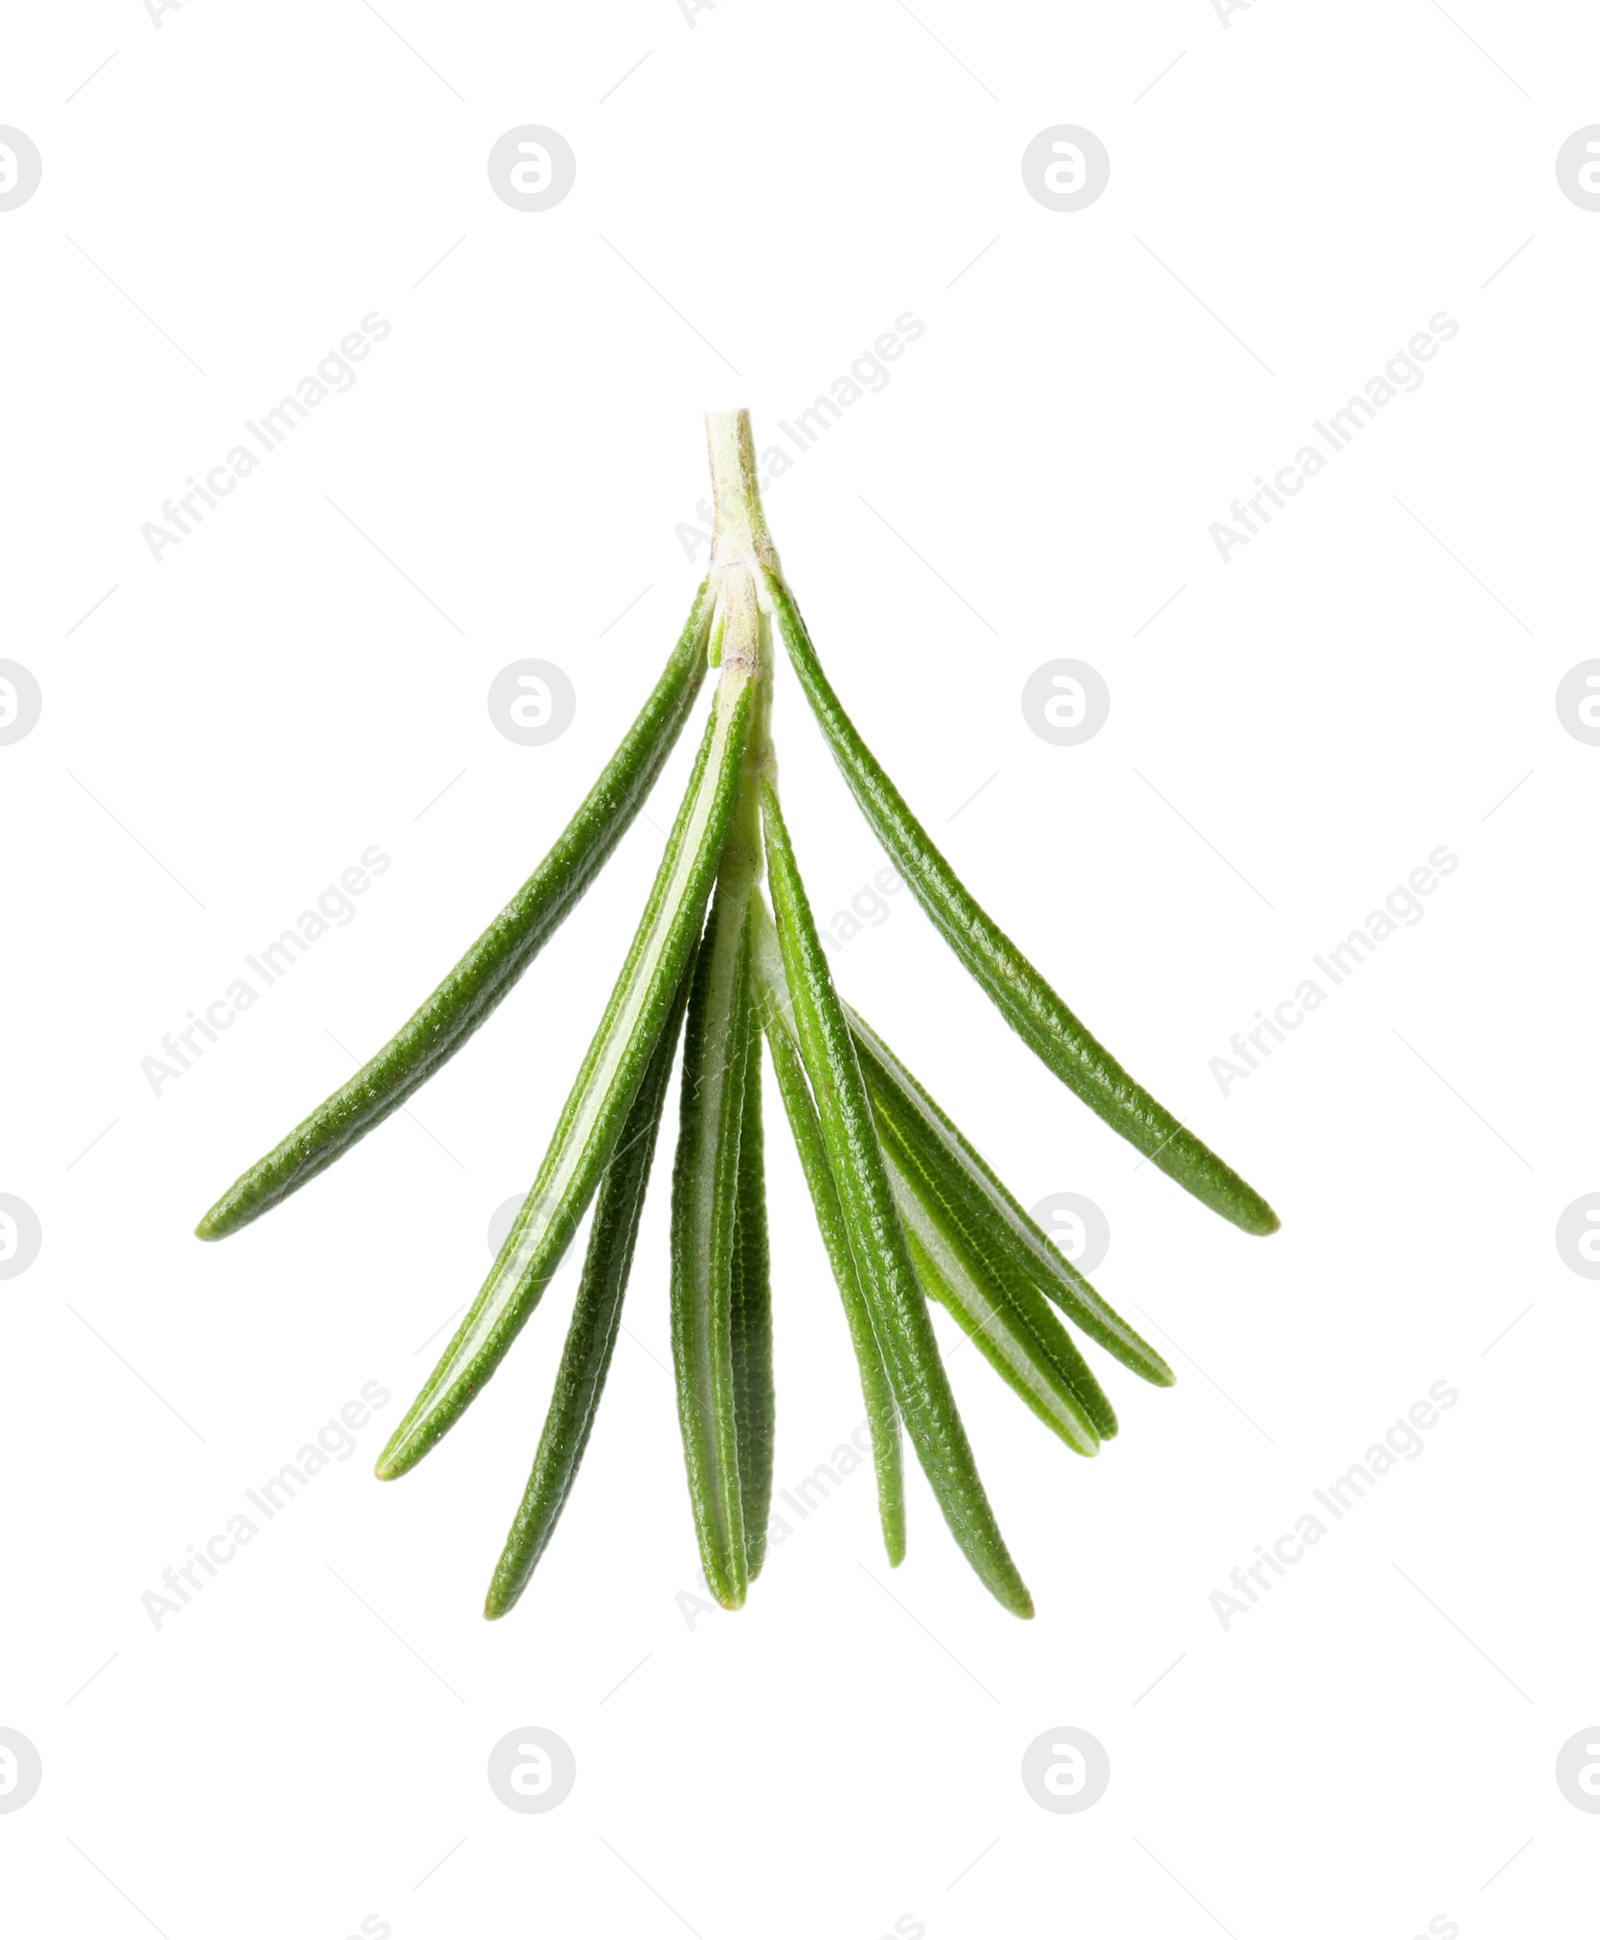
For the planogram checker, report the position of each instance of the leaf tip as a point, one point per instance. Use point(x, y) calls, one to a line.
point(214, 1225)
point(729, 1595)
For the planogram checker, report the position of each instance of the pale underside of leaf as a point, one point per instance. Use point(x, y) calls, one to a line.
point(993, 1221)
point(988, 1318)
point(604, 1091)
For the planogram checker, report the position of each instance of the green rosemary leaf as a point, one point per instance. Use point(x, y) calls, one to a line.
point(705, 1211)
point(607, 1082)
point(753, 1388)
point(1025, 1000)
point(1011, 1325)
point(883, 1414)
point(494, 963)
point(592, 1335)
point(715, 1360)
point(994, 1225)
point(877, 1241)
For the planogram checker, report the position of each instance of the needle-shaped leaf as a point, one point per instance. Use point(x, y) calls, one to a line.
point(1024, 999)
point(877, 1241)
point(994, 1226)
point(1011, 1326)
point(494, 963)
point(711, 1359)
point(592, 1335)
point(705, 1217)
point(883, 1414)
point(754, 1395)
point(607, 1082)
point(706, 1178)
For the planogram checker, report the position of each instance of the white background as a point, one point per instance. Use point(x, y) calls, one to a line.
point(305, 1744)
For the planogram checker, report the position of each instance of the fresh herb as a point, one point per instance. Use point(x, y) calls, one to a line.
point(908, 1211)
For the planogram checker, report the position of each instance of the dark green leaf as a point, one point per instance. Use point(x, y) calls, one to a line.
point(751, 1329)
point(705, 1215)
point(592, 1335)
point(883, 1414)
point(494, 963)
point(1025, 1000)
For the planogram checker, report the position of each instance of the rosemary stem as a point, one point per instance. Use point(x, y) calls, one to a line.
point(743, 562)
point(740, 536)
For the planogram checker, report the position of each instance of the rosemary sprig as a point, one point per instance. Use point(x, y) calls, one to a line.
point(908, 1210)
